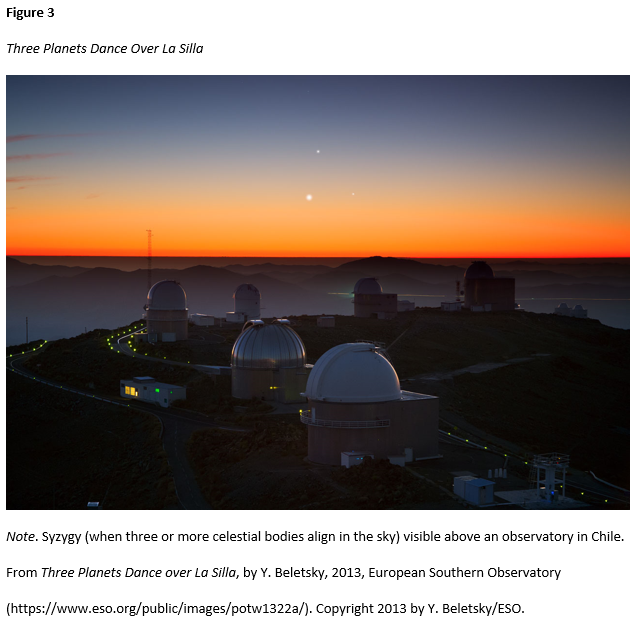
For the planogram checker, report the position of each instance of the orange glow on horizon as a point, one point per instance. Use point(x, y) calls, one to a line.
point(454, 222)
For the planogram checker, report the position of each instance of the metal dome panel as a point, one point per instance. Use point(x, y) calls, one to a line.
point(368, 285)
point(167, 296)
point(479, 270)
point(354, 373)
point(268, 346)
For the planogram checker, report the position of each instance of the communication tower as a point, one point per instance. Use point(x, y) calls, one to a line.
point(150, 259)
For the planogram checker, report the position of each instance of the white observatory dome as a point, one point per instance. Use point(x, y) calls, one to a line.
point(368, 285)
point(167, 296)
point(355, 373)
point(578, 308)
point(246, 292)
point(563, 305)
point(268, 346)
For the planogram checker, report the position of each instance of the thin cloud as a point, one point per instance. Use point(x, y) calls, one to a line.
point(19, 137)
point(34, 156)
point(22, 179)
point(92, 196)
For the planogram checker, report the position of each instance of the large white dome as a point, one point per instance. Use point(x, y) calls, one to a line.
point(354, 373)
point(167, 296)
point(246, 291)
point(368, 285)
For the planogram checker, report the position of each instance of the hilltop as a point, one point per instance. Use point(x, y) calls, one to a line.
point(566, 389)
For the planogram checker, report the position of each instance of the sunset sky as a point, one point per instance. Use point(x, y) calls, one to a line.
point(402, 166)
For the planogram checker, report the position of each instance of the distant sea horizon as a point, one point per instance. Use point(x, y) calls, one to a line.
point(136, 262)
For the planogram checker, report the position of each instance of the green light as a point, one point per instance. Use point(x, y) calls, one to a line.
point(486, 447)
point(582, 493)
point(156, 390)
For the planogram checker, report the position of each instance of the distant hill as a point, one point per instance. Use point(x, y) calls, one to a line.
point(272, 267)
point(19, 273)
point(585, 269)
point(104, 298)
point(396, 283)
point(380, 266)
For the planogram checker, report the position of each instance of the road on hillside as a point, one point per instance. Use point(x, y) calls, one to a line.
point(178, 425)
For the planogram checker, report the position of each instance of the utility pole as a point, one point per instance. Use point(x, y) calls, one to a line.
point(27, 330)
point(150, 257)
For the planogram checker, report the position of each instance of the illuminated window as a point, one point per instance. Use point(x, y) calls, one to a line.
point(132, 391)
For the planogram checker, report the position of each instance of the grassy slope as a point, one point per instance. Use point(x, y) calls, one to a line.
point(264, 469)
point(65, 450)
point(576, 400)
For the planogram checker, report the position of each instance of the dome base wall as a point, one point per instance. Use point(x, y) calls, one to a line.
point(279, 385)
point(370, 305)
point(413, 423)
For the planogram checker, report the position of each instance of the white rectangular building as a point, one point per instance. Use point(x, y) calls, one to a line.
point(326, 321)
point(479, 491)
point(147, 389)
point(200, 319)
point(455, 305)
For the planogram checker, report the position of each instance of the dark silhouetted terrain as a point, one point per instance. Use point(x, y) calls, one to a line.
point(567, 390)
point(63, 301)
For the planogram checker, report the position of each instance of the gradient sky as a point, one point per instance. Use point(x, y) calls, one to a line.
point(408, 166)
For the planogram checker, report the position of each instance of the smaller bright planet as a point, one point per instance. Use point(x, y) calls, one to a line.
point(309, 197)
point(318, 151)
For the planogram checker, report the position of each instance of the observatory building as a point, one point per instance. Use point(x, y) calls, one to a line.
point(247, 304)
point(485, 292)
point(369, 300)
point(576, 311)
point(268, 362)
point(356, 406)
point(167, 313)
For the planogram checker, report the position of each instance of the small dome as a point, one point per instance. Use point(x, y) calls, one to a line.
point(479, 270)
point(354, 373)
point(578, 308)
point(368, 285)
point(167, 296)
point(563, 305)
point(246, 292)
point(268, 346)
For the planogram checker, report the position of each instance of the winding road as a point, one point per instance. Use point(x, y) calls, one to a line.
point(177, 427)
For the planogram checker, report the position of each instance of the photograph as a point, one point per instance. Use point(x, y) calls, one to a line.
point(366, 292)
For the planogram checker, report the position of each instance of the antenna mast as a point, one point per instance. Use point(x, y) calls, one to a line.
point(150, 258)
